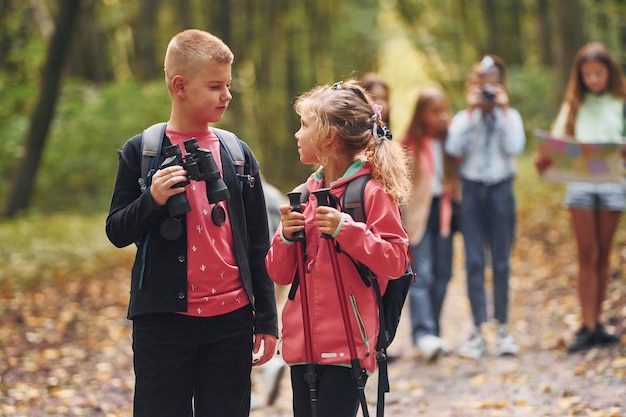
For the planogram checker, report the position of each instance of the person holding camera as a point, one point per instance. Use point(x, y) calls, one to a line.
point(486, 137)
point(201, 301)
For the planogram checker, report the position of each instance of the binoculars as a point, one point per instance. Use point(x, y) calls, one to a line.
point(200, 166)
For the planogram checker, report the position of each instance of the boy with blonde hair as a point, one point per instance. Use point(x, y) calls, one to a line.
point(201, 301)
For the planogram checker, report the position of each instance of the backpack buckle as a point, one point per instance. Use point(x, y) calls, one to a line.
point(248, 179)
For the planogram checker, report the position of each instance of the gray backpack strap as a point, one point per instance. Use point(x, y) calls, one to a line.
point(151, 142)
point(231, 143)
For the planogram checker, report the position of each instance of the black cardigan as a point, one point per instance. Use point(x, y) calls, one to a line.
point(134, 217)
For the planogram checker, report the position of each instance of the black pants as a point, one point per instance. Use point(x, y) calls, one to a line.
point(337, 393)
point(179, 359)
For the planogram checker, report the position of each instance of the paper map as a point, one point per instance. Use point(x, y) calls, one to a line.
point(574, 161)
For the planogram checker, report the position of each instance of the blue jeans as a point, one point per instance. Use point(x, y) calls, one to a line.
point(488, 224)
point(433, 270)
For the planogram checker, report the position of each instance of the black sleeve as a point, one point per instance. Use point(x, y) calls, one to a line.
point(258, 235)
point(132, 212)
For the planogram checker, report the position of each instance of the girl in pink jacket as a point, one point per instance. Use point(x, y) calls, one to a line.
point(342, 131)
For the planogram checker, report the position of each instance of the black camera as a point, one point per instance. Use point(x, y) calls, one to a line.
point(489, 93)
point(200, 166)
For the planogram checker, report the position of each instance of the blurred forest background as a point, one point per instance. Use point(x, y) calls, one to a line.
point(80, 77)
point(74, 91)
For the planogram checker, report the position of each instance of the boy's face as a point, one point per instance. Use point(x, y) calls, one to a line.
point(207, 93)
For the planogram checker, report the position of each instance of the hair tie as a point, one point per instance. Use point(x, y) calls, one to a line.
point(378, 109)
point(381, 133)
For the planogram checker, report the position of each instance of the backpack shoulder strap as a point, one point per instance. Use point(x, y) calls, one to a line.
point(235, 152)
point(304, 192)
point(353, 198)
point(151, 143)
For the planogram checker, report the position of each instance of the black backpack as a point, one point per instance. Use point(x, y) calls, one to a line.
point(152, 140)
point(391, 303)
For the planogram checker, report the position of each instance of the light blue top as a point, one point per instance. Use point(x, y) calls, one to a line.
point(600, 119)
point(487, 143)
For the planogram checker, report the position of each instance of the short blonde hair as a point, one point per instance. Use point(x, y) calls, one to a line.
point(190, 49)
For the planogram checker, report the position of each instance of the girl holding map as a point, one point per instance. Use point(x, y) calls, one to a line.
point(592, 112)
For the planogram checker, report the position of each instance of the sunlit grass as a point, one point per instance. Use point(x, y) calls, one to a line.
point(47, 249)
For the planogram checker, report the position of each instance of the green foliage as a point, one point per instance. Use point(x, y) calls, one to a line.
point(282, 49)
point(534, 95)
point(39, 250)
point(80, 162)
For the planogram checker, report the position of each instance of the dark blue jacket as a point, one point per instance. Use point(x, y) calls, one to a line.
point(159, 284)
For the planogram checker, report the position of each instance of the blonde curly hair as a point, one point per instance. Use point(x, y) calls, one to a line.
point(347, 109)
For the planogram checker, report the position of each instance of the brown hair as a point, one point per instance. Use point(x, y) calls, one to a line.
point(576, 89)
point(427, 96)
point(348, 110)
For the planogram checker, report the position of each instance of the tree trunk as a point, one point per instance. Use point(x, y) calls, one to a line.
point(183, 13)
point(545, 32)
point(145, 35)
point(88, 58)
point(512, 37)
point(23, 182)
point(491, 23)
point(571, 35)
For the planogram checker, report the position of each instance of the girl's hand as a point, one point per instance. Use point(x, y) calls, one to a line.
point(474, 95)
point(162, 182)
point(327, 219)
point(291, 221)
point(502, 98)
point(543, 162)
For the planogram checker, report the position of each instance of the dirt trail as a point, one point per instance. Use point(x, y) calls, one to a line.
point(66, 351)
point(543, 380)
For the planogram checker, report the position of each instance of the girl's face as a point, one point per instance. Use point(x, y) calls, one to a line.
point(435, 118)
point(595, 76)
point(305, 136)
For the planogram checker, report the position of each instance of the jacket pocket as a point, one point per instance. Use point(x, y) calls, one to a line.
point(360, 322)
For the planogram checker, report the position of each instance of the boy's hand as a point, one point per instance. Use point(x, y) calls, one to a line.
point(290, 220)
point(269, 346)
point(327, 219)
point(162, 182)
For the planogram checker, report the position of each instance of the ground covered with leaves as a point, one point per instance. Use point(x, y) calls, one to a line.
point(65, 344)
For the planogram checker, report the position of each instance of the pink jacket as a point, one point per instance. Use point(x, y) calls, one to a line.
point(381, 244)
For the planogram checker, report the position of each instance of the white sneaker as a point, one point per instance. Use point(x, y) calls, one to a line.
point(475, 347)
point(429, 347)
point(505, 345)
